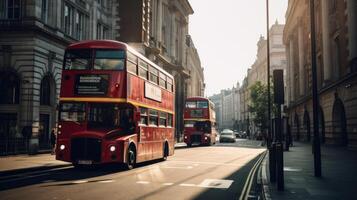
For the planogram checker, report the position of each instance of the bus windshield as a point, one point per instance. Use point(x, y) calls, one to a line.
point(197, 104)
point(110, 116)
point(204, 126)
point(81, 59)
point(74, 112)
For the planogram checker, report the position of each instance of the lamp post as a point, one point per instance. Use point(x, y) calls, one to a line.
point(270, 146)
point(315, 99)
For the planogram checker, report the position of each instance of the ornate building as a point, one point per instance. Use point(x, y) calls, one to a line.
point(33, 36)
point(336, 41)
point(258, 71)
point(159, 30)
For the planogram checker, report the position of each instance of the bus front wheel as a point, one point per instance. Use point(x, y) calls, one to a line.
point(131, 158)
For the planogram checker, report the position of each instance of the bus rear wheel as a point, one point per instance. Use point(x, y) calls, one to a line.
point(131, 158)
point(166, 151)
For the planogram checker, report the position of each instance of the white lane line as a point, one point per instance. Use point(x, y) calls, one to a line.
point(167, 184)
point(171, 167)
point(80, 181)
point(142, 182)
point(187, 185)
point(216, 183)
point(107, 181)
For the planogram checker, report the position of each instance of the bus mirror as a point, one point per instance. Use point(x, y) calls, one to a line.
point(137, 116)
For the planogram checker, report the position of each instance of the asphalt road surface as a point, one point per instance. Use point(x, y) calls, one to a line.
point(215, 172)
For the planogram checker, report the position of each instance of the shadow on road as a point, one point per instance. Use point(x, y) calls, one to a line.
point(70, 175)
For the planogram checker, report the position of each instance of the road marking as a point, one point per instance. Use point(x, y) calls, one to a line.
point(167, 184)
point(216, 183)
point(142, 182)
point(80, 181)
point(248, 184)
point(187, 185)
point(107, 181)
point(290, 169)
point(172, 167)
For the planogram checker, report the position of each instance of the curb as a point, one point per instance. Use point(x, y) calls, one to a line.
point(265, 179)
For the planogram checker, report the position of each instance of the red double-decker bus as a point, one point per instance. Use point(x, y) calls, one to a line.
point(199, 122)
point(115, 106)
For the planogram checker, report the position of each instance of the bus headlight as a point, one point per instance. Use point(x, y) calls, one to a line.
point(185, 136)
point(58, 132)
point(62, 147)
point(206, 138)
point(112, 148)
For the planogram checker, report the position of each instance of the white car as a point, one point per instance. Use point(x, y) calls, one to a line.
point(227, 135)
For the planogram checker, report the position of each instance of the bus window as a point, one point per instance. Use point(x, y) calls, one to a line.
point(169, 120)
point(103, 115)
point(190, 104)
point(203, 126)
point(131, 67)
point(154, 75)
point(162, 80)
point(153, 117)
point(162, 121)
point(169, 84)
point(143, 116)
point(189, 124)
point(202, 104)
point(72, 112)
point(77, 59)
point(143, 69)
point(109, 60)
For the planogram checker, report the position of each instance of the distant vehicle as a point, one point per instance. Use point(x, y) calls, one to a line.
point(236, 133)
point(199, 122)
point(242, 134)
point(227, 135)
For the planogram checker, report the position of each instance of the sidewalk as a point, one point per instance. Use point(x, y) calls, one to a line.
point(19, 163)
point(338, 181)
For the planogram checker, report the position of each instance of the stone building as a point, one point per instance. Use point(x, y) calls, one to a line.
point(195, 83)
point(336, 43)
point(33, 36)
point(227, 107)
point(159, 30)
point(258, 71)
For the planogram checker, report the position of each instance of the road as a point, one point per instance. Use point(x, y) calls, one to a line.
point(215, 172)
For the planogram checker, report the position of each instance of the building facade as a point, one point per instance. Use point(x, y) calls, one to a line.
point(336, 56)
point(258, 72)
point(33, 36)
point(195, 83)
point(227, 107)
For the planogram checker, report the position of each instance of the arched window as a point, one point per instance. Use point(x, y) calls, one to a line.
point(9, 94)
point(45, 95)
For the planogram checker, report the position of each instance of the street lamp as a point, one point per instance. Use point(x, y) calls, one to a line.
point(315, 99)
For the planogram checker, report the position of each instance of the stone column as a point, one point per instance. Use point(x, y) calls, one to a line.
point(291, 67)
point(301, 61)
point(288, 76)
point(159, 21)
point(326, 45)
point(352, 28)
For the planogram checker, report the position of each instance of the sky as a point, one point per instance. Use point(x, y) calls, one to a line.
point(226, 33)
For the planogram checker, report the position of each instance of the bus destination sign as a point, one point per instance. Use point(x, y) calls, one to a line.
point(92, 84)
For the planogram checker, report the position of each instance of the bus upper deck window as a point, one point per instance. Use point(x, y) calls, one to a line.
point(109, 60)
point(77, 59)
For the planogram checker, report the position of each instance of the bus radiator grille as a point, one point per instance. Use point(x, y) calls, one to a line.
point(86, 149)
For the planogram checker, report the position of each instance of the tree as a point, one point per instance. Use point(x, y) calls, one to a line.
point(259, 105)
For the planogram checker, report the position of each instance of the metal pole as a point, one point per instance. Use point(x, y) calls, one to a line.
point(270, 146)
point(315, 99)
point(268, 74)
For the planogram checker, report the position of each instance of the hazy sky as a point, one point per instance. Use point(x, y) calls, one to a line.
point(226, 33)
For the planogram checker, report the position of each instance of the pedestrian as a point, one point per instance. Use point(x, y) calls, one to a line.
point(53, 141)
